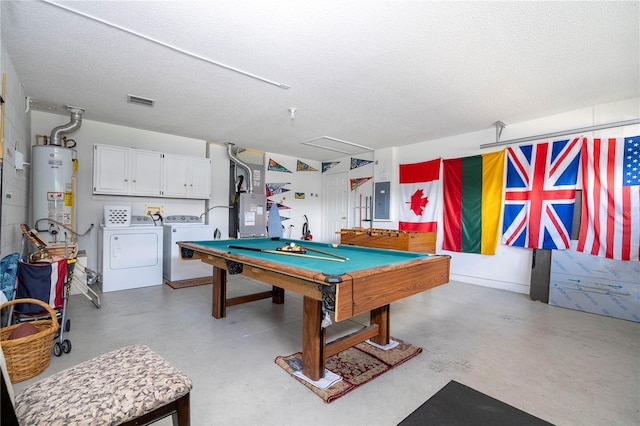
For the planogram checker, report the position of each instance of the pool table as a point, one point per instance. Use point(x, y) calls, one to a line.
point(347, 280)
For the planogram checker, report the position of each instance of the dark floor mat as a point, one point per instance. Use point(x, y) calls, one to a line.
point(459, 405)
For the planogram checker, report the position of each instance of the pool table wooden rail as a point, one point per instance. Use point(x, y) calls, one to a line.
point(378, 286)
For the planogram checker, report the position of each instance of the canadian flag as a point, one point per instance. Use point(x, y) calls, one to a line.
point(419, 186)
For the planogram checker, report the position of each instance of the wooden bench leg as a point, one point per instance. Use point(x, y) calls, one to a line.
point(182, 416)
point(179, 409)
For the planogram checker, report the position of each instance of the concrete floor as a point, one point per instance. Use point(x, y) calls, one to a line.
point(564, 366)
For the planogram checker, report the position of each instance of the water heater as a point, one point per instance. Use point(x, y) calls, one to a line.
point(252, 215)
point(52, 189)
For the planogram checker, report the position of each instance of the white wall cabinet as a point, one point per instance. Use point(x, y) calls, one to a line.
point(126, 171)
point(187, 177)
point(110, 170)
point(137, 172)
point(146, 172)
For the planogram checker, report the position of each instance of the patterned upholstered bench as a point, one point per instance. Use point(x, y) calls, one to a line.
point(132, 385)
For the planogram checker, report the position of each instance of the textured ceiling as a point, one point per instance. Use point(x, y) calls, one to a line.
point(373, 73)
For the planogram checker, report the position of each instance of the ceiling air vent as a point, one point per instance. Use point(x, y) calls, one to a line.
point(132, 99)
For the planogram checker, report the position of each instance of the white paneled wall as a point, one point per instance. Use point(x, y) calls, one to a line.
point(15, 183)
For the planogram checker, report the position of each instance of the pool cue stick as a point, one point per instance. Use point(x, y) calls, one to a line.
point(360, 210)
point(326, 252)
point(287, 253)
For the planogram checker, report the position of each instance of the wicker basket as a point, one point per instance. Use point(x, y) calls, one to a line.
point(29, 356)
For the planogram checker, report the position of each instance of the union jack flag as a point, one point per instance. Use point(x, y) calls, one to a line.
point(540, 194)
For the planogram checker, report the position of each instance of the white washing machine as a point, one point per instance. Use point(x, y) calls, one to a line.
point(184, 228)
point(131, 255)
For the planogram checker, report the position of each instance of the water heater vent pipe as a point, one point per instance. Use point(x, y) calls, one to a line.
point(243, 165)
point(70, 127)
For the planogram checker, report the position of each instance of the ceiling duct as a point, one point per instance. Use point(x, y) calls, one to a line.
point(139, 100)
point(241, 164)
point(70, 127)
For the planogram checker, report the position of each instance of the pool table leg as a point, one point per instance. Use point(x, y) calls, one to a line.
point(381, 316)
point(278, 295)
point(219, 293)
point(313, 339)
point(219, 301)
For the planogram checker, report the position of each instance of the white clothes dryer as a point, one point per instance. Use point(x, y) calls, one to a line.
point(131, 255)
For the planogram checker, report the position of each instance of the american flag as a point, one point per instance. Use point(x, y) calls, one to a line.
point(540, 194)
point(611, 198)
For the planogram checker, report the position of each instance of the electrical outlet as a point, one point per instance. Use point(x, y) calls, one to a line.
point(153, 209)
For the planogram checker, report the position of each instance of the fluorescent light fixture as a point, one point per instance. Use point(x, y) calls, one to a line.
point(337, 145)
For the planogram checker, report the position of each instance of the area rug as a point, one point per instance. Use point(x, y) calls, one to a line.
point(459, 405)
point(357, 365)
point(193, 282)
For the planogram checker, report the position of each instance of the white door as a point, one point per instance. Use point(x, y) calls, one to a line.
point(200, 182)
point(335, 206)
point(175, 176)
point(110, 170)
point(146, 172)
